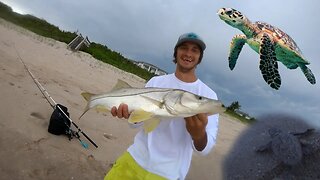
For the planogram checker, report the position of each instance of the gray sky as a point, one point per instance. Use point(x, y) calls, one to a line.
point(147, 30)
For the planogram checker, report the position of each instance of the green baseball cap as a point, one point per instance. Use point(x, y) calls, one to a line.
point(191, 37)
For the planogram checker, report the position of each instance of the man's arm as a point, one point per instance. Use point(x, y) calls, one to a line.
point(196, 126)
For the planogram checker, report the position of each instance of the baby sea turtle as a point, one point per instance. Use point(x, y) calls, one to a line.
point(289, 148)
point(271, 43)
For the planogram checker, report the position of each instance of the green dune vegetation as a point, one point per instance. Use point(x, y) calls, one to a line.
point(98, 51)
point(234, 110)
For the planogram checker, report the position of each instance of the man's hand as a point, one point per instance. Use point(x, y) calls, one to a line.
point(121, 112)
point(196, 126)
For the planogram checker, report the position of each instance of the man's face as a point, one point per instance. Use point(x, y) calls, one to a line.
point(188, 54)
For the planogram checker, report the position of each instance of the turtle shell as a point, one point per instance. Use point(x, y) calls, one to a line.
point(279, 36)
point(287, 148)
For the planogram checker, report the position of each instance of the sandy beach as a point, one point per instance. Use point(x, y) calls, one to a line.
point(28, 151)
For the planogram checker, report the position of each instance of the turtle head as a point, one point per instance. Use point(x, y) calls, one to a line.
point(232, 17)
point(273, 132)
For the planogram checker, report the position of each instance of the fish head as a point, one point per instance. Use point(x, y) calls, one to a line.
point(185, 103)
point(193, 101)
point(200, 104)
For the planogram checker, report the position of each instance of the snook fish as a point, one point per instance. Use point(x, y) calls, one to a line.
point(149, 105)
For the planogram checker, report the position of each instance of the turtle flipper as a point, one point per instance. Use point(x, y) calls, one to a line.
point(268, 63)
point(264, 148)
point(307, 148)
point(310, 147)
point(236, 45)
point(305, 133)
point(308, 73)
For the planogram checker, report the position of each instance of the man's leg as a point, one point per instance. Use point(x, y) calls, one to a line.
point(126, 168)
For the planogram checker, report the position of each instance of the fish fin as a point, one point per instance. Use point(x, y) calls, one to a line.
point(87, 96)
point(121, 84)
point(139, 116)
point(150, 124)
point(101, 108)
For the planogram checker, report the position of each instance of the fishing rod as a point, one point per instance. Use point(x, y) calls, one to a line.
point(54, 105)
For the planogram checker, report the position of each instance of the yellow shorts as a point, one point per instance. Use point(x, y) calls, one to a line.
point(126, 168)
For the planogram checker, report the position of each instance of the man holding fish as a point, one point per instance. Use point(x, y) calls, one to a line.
point(165, 152)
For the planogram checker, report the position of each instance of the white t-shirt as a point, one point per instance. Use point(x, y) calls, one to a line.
point(167, 150)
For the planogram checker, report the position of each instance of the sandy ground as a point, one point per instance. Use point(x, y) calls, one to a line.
point(28, 151)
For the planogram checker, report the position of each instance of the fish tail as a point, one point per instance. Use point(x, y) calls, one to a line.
point(87, 109)
point(87, 96)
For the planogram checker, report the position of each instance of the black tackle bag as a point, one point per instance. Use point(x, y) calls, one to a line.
point(59, 123)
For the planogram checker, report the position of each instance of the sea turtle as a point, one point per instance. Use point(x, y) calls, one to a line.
point(270, 42)
point(289, 148)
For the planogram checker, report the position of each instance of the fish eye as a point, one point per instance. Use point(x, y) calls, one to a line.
point(200, 98)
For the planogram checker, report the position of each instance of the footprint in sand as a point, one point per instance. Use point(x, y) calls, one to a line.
point(109, 136)
point(33, 145)
point(37, 115)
